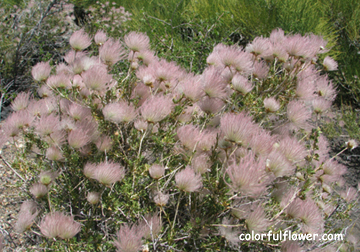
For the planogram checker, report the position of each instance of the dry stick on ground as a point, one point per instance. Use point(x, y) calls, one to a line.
point(8, 165)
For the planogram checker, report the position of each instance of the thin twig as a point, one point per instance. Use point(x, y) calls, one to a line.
point(8, 165)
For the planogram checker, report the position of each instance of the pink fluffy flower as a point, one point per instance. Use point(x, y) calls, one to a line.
point(119, 112)
point(292, 149)
point(241, 84)
point(58, 81)
point(156, 171)
point(211, 105)
point(325, 88)
point(188, 135)
point(247, 177)
point(104, 143)
point(259, 46)
point(187, 180)
point(93, 197)
point(21, 101)
point(38, 190)
point(256, 221)
point(41, 71)
point(79, 40)
point(54, 153)
point(100, 38)
point(58, 224)
point(201, 163)
point(156, 108)
point(237, 128)
point(111, 52)
point(271, 105)
point(298, 114)
point(320, 105)
point(191, 88)
point(330, 64)
point(108, 173)
point(137, 41)
point(128, 239)
point(161, 199)
point(260, 70)
point(26, 217)
point(97, 78)
point(213, 84)
point(279, 165)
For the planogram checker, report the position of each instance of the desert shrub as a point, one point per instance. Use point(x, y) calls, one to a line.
point(173, 160)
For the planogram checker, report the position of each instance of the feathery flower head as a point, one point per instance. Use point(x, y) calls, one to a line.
point(77, 138)
point(156, 171)
point(325, 88)
point(119, 112)
point(41, 71)
point(150, 226)
point(141, 125)
point(191, 87)
point(298, 114)
point(330, 64)
point(47, 125)
point(156, 108)
point(38, 190)
point(213, 84)
point(187, 180)
point(96, 78)
point(277, 36)
point(241, 84)
point(137, 41)
point(248, 176)
point(128, 239)
point(78, 112)
point(58, 81)
point(305, 89)
point(260, 70)
point(201, 163)
point(332, 171)
point(188, 135)
point(93, 197)
point(237, 128)
point(108, 173)
point(279, 165)
point(351, 144)
point(26, 216)
point(104, 143)
point(80, 40)
point(100, 38)
point(111, 52)
point(349, 194)
point(21, 101)
point(290, 246)
point(46, 177)
point(261, 142)
point(256, 221)
point(320, 105)
point(271, 105)
point(58, 224)
point(16, 122)
point(161, 199)
point(211, 105)
point(259, 46)
point(54, 153)
point(207, 139)
point(292, 149)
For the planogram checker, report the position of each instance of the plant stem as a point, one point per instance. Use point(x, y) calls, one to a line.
point(176, 212)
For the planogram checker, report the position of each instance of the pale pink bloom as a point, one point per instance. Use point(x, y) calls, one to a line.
point(77, 138)
point(156, 108)
point(150, 226)
point(89, 170)
point(201, 163)
point(320, 105)
point(213, 84)
point(21, 101)
point(119, 112)
point(256, 221)
point(58, 81)
point(259, 47)
point(330, 64)
point(78, 82)
point(147, 75)
point(71, 55)
point(350, 194)
point(161, 199)
point(279, 165)
point(47, 125)
point(299, 46)
point(165, 71)
point(79, 40)
point(271, 104)
point(26, 216)
point(38, 190)
point(62, 68)
point(108, 173)
point(280, 53)
point(237, 128)
point(260, 70)
point(128, 239)
point(248, 177)
point(41, 71)
point(111, 52)
point(188, 135)
point(137, 41)
point(156, 171)
point(325, 88)
point(298, 114)
point(57, 138)
point(78, 112)
point(305, 88)
point(261, 142)
point(241, 84)
point(146, 56)
point(277, 36)
point(97, 78)
point(290, 246)
point(16, 122)
point(230, 234)
point(309, 214)
point(332, 171)
point(54, 153)
point(214, 57)
point(44, 91)
point(191, 88)
point(104, 143)
point(93, 197)
point(207, 140)
point(58, 224)
point(211, 105)
point(187, 180)
point(292, 149)
point(319, 43)
point(141, 125)
point(100, 38)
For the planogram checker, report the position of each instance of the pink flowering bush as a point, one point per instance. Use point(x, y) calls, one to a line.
point(155, 157)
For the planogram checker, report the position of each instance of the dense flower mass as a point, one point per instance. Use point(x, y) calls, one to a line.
point(163, 154)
